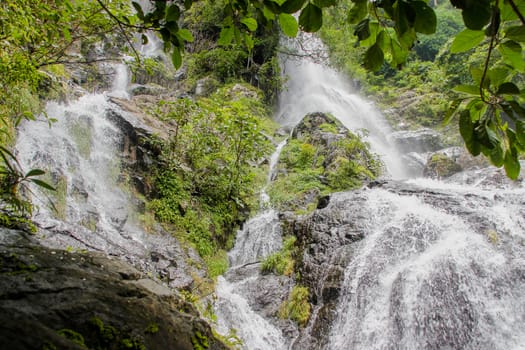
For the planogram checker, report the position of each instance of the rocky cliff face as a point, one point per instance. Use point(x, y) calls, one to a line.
point(55, 299)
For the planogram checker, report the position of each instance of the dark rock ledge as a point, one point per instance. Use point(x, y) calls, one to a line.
point(54, 299)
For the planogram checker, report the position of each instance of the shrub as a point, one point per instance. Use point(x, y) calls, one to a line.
point(297, 307)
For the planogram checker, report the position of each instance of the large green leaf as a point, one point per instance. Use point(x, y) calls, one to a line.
point(185, 35)
point(512, 54)
point(250, 23)
point(398, 52)
point(292, 6)
point(226, 36)
point(512, 165)
point(516, 33)
point(311, 18)
point(498, 75)
point(466, 40)
point(466, 128)
point(426, 20)
point(508, 13)
point(173, 13)
point(508, 88)
point(357, 12)
point(476, 14)
point(138, 8)
point(176, 58)
point(404, 17)
point(362, 30)
point(288, 24)
point(467, 89)
point(374, 58)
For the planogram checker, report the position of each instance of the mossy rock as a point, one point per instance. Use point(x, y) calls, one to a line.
point(53, 299)
point(440, 165)
point(321, 157)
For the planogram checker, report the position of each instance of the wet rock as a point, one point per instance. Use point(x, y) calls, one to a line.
point(206, 86)
point(439, 165)
point(325, 237)
point(321, 156)
point(147, 89)
point(423, 140)
point(57, 299)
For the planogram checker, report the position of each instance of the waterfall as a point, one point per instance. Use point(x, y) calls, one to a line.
point(436, 274)
point(79, 152)
point(441, 265)
point(315, 87)
point(259, 237)
point(93, 207)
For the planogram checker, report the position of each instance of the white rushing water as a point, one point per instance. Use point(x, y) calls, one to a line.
point(428, 277)
point(259, 237)
point(80, 154)
point(443, 270)
point(315, 87)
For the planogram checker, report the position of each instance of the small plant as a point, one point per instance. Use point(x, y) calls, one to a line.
point(70, 334)
point(14, 188)
point(297, 307)
point(281, 262)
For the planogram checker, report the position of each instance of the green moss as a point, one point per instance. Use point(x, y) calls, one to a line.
point(152, 328)
point(297, 307)
point(70, 334)
point(440, 165)
point(329, 127)
point(13, 221)
point(310, 167)
point(13, 264)
point(108, 337)
point(199, 341)
point(81, 131)
point(60, 198)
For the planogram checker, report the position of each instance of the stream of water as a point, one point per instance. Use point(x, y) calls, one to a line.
point(440, 273)
point(441, 265)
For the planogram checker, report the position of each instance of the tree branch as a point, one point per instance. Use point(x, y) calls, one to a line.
point(517, 11)
point(121, 27)
point(50, 63)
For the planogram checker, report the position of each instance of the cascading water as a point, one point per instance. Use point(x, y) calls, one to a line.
point(314, 87)
point(260, 237)
point(438, 270)
point(440, 265)
point(81, 153)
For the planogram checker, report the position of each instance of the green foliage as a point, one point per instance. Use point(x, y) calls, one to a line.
point(282, 261)
point(199, 341)
point(205, 182)
point(309, 167)
point(153, 328)
point(217, 264)
point(15, 206)
point(297, 307)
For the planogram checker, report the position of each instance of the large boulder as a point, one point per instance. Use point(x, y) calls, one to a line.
point(55, 299)
point(422, 140)
point(321, 156)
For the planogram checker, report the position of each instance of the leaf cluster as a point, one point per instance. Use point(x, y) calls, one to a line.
point(206, 179)
point(491, 113)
